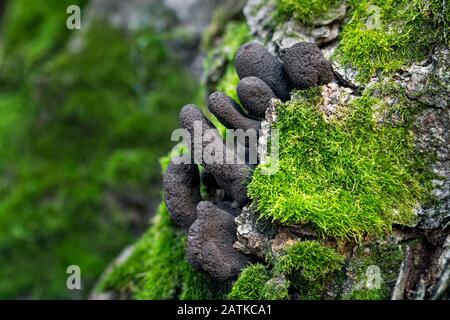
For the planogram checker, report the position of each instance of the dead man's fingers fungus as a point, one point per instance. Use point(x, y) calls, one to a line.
point(255, 96)
point(306, 66)
point(232, 178)
point(182, 192)
point(253, 60)
point(210, 242)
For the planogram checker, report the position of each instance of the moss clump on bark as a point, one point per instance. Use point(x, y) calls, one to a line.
point(304, 268)
point(349, 178)
point(308, 264)
point(379, 35)
point(384, 35)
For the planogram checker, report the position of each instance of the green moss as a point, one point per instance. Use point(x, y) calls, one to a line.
point(348, 178)
point(367, 294)
point(306, 11)
point(379, 35)
point(384, 35)
point(250, 284)
point(277, 288)
point(308, 264)
point(256, 282)
point(129, 169)
point(167, 274)
point(305, 267)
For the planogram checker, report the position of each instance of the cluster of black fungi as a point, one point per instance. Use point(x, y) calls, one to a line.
point(211, 226)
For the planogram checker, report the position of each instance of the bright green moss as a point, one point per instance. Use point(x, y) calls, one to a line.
point(307, 264)
point(306, 11)
point(309, 258)
point(256, 282)
point(384, 35)
point(348, 178)
point(304, 267)
point(250, 284)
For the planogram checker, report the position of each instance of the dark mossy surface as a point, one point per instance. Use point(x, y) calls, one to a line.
point(386, 258)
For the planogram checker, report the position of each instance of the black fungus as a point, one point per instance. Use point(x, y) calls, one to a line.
point(210, 242)
point(212, 228)
point(208, 180)
point(182, 192)
point(231, 177)
point(255, 95)
point(229, 113)
point(306, 66)
point(253, 60)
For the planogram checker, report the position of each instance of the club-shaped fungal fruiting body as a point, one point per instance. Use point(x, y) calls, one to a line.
point(211, 227)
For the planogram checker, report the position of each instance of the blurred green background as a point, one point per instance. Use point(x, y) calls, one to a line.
point(84, 117)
